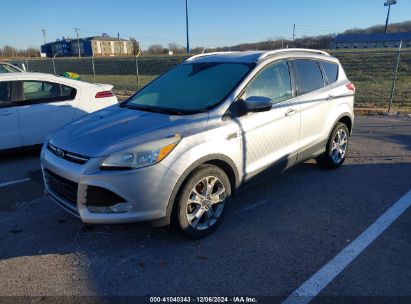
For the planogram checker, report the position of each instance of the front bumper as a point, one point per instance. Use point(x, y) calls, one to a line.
point(146, 191)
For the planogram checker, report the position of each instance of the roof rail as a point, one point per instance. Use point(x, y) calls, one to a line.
point(275, 52)
point(207, 54)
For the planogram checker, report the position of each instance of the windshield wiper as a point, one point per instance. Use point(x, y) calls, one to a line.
point(154, 109)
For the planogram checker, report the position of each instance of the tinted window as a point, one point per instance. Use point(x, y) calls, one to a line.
point(5, 68)
point(5, 92)
point(309, 76)
point(331, 70)
point(7, 96)
point(190, 87)
point(273, 82)
point(47, 91)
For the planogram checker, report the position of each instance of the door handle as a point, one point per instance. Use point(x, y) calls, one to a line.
point(330, 97)
point(231, 136)
point(290, 112)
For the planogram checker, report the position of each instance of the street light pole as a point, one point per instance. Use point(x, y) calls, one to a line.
point(78, 41)
point(388, 3)
point(388, 18)
point(44, 35)
point(187, 36)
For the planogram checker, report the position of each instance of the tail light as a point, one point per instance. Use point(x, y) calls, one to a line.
point(104, 94)
point(350, 86)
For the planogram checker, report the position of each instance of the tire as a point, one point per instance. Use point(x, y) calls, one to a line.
point(336, 149)
point(201, 209)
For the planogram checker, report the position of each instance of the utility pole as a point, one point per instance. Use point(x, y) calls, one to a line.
point(187, 36)
point(78, 41)
point(294, 35)
point(388, 3)
point(44, 35)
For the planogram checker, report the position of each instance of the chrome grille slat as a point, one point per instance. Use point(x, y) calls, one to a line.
point(69, 156)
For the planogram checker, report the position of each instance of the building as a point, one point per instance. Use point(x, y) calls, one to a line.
point(99, 46)
point(371, 41)
point(59, 48)
point(108, 46)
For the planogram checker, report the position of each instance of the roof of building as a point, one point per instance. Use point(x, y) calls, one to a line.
point(373, 37)
point(105, 38)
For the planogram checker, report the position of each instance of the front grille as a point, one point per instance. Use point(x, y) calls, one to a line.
point(100, 197)
point(69, 156)
point(61, 186)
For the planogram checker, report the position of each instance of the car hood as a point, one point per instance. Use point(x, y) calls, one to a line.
point(115, 129)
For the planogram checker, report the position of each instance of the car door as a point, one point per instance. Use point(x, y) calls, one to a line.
point(272, 136)
point(46, 106)
point(10, 136)
point(314, 99)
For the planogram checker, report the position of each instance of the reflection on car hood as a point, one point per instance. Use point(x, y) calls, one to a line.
point(116, 129)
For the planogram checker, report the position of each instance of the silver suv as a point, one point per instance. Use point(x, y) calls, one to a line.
point(179, 148)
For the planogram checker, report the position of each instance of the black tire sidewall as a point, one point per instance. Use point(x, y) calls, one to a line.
point(328, 160)
point(192, 180)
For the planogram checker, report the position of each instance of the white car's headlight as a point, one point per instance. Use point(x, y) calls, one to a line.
point(146, 155)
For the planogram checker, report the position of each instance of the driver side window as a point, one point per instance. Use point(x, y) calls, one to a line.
point(273, 82)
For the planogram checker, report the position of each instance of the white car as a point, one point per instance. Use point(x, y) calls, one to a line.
point(33, 105)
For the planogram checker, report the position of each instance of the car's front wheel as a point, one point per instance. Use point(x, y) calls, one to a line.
point(203, 201)
point(337, 147)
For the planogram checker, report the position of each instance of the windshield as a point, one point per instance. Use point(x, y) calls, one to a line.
point(190, 88)
point(5, 68)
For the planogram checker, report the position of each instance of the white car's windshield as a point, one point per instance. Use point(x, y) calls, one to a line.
point(190, 87)
point(5, 68)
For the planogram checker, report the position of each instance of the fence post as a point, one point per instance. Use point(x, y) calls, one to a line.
point(54, 67)
point(94, 70)
point(27, 65)
point(137, 72)
point(394, 79)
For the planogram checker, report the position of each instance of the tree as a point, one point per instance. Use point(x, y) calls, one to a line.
point(135, 46)
point(32, 52)
point(155, 49)
point(10, 51)
point(175, 48)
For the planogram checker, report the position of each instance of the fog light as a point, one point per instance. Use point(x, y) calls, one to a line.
point(121, 208)
point(118, 208)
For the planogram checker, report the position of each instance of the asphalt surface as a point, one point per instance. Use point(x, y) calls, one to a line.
point(278, 233)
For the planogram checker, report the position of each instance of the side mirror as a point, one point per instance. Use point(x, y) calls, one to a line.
point(258, 104)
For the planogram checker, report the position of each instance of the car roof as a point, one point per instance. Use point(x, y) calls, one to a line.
point(258, 56)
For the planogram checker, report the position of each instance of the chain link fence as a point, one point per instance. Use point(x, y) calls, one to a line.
point(373, 73)
point(378, 81)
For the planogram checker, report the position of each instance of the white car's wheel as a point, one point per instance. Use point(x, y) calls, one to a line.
point(203, 201)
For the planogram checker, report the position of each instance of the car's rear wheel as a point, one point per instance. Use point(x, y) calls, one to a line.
point(203, 201)
point(337, 148)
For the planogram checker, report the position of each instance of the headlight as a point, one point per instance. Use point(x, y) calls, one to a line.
point(154, 153)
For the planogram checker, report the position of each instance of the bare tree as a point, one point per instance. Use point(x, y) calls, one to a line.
point(135, 45)
point(175, 48)
point(10, 51)
point(156, 49)
point(32, 52)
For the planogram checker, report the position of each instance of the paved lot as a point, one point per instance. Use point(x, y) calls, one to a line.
point(279, 232)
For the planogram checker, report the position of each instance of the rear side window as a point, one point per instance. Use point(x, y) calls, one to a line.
point(40, 91)
point(331, 71)
point(273, 82)
point(310, 77)
point(5, 92)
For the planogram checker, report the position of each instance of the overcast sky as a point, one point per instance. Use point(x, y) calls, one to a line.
point(212, 22)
